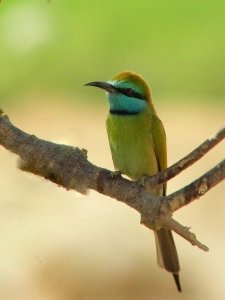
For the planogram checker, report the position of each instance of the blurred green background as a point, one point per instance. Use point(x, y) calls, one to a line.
point(59, 245)
point(178, 46)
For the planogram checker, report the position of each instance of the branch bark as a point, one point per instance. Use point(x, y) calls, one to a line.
point(68, 167)
point(185, 162)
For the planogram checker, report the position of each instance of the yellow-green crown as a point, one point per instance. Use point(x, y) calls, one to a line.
point(136, 81)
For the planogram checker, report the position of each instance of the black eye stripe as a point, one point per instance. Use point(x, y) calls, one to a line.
point(130, 93)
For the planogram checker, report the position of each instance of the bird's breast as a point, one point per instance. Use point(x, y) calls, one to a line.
point(132, 145)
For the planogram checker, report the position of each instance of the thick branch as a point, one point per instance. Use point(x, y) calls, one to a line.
point(68, 166)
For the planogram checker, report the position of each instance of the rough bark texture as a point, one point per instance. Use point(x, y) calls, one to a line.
point(68, 167)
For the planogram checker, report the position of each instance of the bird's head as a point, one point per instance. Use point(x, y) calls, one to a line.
point(128, 93)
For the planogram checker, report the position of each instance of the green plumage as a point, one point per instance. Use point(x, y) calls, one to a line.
point(138, 145)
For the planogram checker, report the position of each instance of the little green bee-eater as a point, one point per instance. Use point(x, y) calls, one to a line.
point(138, 145)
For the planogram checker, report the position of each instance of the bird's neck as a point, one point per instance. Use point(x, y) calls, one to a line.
point(122, 105)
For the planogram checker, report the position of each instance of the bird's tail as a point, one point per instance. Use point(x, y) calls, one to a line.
point(167, 257)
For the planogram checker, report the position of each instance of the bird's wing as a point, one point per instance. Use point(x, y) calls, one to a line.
point(166, 250)
point(159, 138)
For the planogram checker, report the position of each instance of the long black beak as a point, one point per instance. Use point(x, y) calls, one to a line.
point(102, 85)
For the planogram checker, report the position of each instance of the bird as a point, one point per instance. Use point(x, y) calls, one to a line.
point(137, 141)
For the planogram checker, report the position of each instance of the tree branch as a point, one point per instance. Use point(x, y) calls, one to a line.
point(198, 187)
point(68, 167)
point(185, 162)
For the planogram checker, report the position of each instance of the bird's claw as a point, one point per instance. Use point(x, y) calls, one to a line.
point(115, 174)
point(141, 181)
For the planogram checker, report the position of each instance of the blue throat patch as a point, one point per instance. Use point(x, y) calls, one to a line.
point(124, 105)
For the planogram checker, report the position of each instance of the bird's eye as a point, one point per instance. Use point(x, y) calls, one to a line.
point(129, 92)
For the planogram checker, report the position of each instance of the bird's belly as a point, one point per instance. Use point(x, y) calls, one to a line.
point(132, 147)
point(129, 160)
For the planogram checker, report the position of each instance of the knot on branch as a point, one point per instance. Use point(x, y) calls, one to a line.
point(3, 114)
point(156, 213)
point(203, 188)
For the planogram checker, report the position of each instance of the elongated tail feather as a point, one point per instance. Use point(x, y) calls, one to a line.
point(167, 257)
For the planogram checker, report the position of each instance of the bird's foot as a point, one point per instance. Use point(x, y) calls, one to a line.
point(141, 181)
point(115, 174)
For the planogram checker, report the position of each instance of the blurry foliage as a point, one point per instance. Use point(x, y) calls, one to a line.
point(179, 46)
